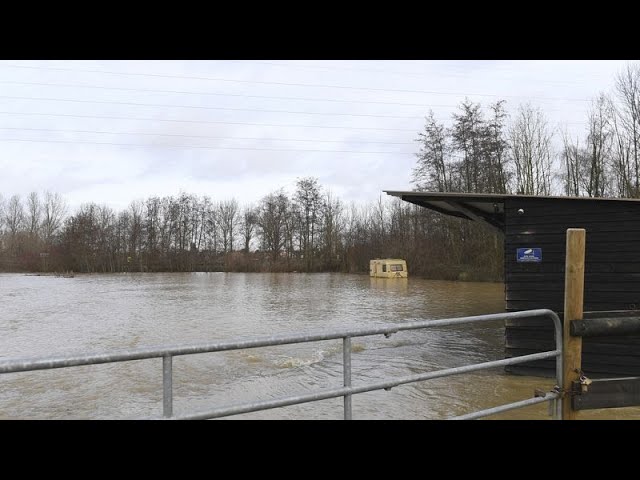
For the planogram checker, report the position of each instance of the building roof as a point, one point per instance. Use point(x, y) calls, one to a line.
point(487, 208)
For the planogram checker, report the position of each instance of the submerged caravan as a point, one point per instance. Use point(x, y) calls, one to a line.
point(388, 268)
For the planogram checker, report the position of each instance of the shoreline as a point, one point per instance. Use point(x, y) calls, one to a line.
point(82, 274)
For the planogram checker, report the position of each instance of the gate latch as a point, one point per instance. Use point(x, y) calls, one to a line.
point(584, 383)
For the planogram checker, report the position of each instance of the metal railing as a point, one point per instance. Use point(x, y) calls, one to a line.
point(346, 391)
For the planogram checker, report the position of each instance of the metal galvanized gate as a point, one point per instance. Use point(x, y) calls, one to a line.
point(347, 390)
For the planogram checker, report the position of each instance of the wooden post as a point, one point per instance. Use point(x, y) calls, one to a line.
point(573, 309)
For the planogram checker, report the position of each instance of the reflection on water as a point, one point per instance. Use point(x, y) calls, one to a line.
point(48, 315)
point(393, 285)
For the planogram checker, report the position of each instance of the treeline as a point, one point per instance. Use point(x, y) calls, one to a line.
point(483, 152)
point(310, 230)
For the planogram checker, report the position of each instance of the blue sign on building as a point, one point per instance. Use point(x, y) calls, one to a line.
point(529, 255)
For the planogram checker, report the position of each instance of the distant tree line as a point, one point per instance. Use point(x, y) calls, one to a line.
point(481, 152)
point(312, 230)
point(308, 231)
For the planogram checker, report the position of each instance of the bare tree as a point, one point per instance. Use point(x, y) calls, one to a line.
point(136, 208)
point(34, 213)
point(248, 225)
point(54, 210)
point(152, 229)
point(572, 158)
point(496, 148)
point(599, 143)
point(530, 142)
point(333, 227)
point(471, 156)
point(81, 236)
point(198, 220)
point(14, 215)
point(212, 226)
point(228, 215)
point(627, 86)
point(183, 224)
point(588, 169)
point(433, 170)
point(105, 254)
point(271, 220)
point(307, 199)
point(468, 134)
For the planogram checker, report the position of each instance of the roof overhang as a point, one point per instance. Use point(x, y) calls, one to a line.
point(487, 208)
point(478, 207)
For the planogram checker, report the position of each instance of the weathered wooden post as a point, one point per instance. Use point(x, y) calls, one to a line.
point(573, 309)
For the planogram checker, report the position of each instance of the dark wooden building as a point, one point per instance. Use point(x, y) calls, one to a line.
point(534, 231)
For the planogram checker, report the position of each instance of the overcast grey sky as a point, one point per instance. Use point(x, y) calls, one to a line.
point(115, 131)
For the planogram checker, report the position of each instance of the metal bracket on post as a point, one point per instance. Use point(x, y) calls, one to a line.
point(388, 334)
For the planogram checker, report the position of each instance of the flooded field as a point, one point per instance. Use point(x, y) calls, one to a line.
point(97, 313)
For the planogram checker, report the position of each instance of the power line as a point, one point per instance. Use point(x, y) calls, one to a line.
point(290, 84)
point(199, 147)
point(203, 136)
point(382, 70)
point(335, 68)
point(184, 92)
point(105, 117)
point(237, 95)
point(215, 122)
point(201, 107)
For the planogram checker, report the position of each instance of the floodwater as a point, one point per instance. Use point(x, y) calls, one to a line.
point(41, 315)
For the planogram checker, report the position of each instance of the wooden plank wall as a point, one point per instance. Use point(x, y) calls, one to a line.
point(612, 277)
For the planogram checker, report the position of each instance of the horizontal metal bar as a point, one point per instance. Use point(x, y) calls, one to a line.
point(605, 327)
point(339, 392)
point(264, 405)
point(607, 393)
point(505, 408)
point(610, 314)
point(73, 360)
